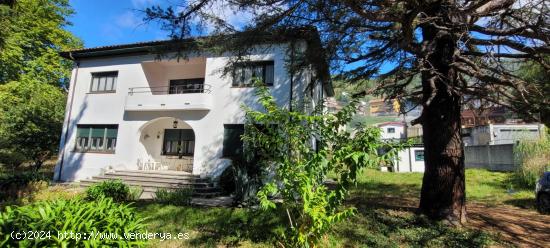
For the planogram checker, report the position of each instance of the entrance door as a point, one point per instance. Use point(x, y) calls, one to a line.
point(178, 142)
point(185, 86)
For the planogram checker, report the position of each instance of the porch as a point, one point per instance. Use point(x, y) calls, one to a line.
point(168, 144)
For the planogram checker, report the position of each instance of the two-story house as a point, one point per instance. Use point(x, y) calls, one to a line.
point(128, 110)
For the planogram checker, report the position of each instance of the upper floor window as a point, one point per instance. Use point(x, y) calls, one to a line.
point(104, 82)
point(96, 138)
point(246, 73)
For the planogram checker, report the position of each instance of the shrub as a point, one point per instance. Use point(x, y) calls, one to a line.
point(180, 196)
point(11, 159)
point(532, 158)
point(115, 189)
point(79, 217)
point(20, 187)
point(282, 140)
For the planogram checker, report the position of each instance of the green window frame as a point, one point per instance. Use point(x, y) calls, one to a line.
point(104, 82)
point(244, 73)
point(96, 138)
point(233, 145)
point(419, 155)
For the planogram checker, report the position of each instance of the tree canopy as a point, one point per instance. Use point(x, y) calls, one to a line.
point(460, 49)
point(31, 35)
point(32, 75)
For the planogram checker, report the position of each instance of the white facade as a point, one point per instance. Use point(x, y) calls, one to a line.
point(410, 159)
point(392, 130)
point(499, 134)
point(143, 114)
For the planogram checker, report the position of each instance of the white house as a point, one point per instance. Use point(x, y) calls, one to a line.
point(499, 134)
point(392, 130)
point(128, 110)
point(410, 159)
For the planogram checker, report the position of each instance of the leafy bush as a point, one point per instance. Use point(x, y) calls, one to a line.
point(180, 196)
point(532, 158)
point(19, 187)
point(115, 189)
point(283, 141)
point(10, 159)
point(77, 216)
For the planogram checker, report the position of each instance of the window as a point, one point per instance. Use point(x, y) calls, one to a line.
point(391, 130)
point(183, 86)
point(232, 142)
point(104, 82)
point(96, 138)
point(419, 155)
point(180, 142)
point(245, 73)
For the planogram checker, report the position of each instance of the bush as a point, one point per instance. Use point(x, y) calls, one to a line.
point(180, 196)
point(11, 160)
point(115, 189)
point(532, 158)
point(21, 186)
point(76, 216)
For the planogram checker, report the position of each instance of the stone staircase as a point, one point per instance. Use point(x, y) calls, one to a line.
point(150, 181)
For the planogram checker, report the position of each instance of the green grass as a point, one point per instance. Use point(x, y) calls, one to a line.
point(383, 223)
point(482, 186)
point(385, 204)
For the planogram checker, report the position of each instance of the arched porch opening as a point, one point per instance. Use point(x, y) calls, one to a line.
point(168, 144)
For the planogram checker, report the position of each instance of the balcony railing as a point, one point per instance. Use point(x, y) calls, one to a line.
point(175, 89)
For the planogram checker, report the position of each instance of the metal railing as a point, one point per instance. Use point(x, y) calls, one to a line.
point(176, 89)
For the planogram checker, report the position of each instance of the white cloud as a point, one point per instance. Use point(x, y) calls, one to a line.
point(128, 19)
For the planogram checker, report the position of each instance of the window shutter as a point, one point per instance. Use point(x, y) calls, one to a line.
point(232, 143)
point(171, 135)
point(269, 74)
point(187, 134)
point(111, 132)
point(98, 132)
point(82, 132)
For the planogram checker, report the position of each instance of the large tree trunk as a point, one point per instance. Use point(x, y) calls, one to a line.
point(443, 185)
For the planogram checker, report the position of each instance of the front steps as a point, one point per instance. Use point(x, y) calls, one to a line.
point(150, 181)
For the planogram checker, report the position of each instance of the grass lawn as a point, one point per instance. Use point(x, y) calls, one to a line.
point(385, 204)
point(384, 217)
point(481, 186)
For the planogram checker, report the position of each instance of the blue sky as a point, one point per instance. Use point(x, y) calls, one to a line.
point(109, 22)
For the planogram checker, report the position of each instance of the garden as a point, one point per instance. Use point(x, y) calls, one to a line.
point(385, 216)
point(332, 195)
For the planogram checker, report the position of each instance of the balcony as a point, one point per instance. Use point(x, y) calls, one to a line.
point(169, 98)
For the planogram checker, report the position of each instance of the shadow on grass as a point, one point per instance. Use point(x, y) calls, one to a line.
point(525, 203)
point(212, 226)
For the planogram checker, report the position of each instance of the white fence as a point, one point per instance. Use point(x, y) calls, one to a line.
point(490, 157)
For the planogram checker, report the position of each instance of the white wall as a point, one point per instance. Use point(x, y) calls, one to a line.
point(494, 134)
point(398, 134)
point(139, 71)
point(406, 161)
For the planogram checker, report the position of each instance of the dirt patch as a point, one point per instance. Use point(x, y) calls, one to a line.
point(518, 226)
point(521, 227)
